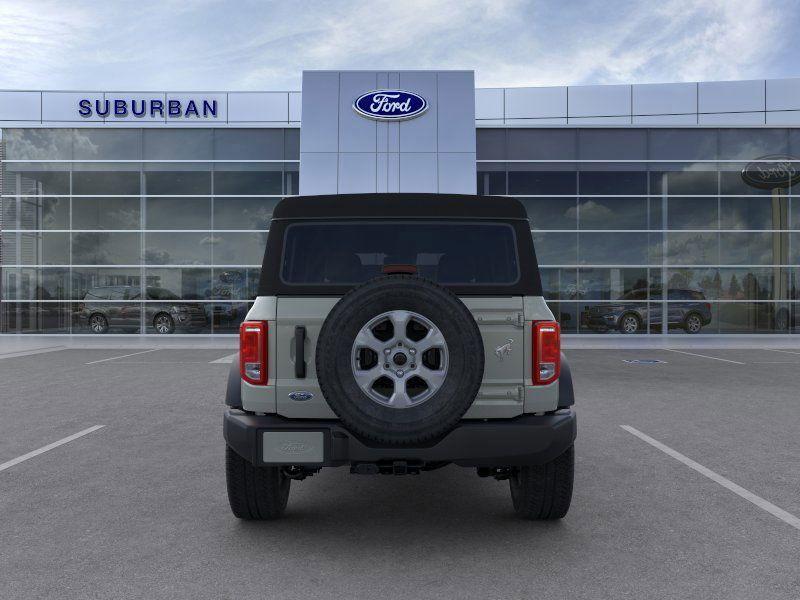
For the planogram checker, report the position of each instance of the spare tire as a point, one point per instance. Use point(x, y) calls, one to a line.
point(399, 359)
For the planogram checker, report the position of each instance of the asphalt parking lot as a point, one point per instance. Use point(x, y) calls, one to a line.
point(138, 509)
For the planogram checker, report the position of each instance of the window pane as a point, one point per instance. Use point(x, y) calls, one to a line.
point(560, 284)
point(35, 284)
point(176, 183)
point(450, 253)
point(188, 284)
point(754, 213)
point(42, 213)
point(750, 284)
point(752, 248)
point(490, 144)
point(243, 213)
point(630, 317)
point(613, 284)
point(692, 213)
point(235, 284)
point(291, 144)
point(30, 317)
point(612, 213)
point(107, 144)
point(521, 180)
point(37, 182)
point(177, 144)
point(117, 183)
point(38, 144)
point(106, 213)
point(613, 248)
point(42, 249)
point(106, 248)
point(751, 143)
point(551, 213)
point(541, 144)
point(248, 144)
point(683, 144)
point(105, 283)
point(612, 144)
point(178, 213)
point(491, 179)
point(556, 248)
point(226, 317)
point(693, 248)
point(179, 248)
point(706, 281)
point(240, 248)
point(611, 183)
point(248, 182)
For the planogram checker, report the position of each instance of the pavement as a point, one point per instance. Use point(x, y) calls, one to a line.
point(137, 508)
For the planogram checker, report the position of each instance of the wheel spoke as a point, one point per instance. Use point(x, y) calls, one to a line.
point(367, 339)
point(433, 339)
point(367, 378)
point(399, 319)
point(400, 397)
point(433, 378)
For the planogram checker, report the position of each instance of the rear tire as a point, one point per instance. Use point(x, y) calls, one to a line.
point(693, 323)
point(255, 493)
point(629, 323)
point(163, 324)
point(544, 492)
point(98, 323)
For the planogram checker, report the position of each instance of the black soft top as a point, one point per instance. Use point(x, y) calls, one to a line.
point(339, 207)
point(346, 206)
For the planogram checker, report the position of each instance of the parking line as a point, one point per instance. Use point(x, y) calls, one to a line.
point(784, 351)
point(43, 449)
point(775, 511)
point(94, 362)
point(225, 359)
point(21, 353)
point(736, 362)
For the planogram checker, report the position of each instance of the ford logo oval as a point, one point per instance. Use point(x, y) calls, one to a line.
point(300, 396)
point(390, 105)
point(773, 171)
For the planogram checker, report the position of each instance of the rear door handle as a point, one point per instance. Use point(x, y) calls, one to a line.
point(300, 352)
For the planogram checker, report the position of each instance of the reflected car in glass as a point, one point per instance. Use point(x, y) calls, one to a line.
point(634, 314)
point(104, 308)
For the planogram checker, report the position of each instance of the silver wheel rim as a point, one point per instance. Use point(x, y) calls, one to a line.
point(162, 324)
point(97, 324)
point(403, 367)
point(630, 324)
point(694, 323)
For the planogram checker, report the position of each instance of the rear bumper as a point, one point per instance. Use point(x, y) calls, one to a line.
point(524, 440)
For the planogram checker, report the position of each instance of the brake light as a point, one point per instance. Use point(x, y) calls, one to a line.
point(253, 352)
point(546, 352)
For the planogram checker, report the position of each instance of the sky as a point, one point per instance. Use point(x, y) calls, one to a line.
point(206, 45)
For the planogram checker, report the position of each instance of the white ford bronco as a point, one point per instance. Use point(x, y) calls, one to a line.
point(399, 333)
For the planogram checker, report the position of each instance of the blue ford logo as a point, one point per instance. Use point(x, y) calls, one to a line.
point(300, 396)
point(390, 105)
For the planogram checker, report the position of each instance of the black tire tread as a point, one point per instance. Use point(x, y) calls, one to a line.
point(255, 493)
point(544, 492)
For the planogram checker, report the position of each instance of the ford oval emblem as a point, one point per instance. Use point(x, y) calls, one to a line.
point(390, 105)
point(773, 171)
point(300, 396)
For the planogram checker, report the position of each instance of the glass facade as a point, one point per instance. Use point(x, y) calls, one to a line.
point(137, 230)
point(162, 230)
point(620, 214)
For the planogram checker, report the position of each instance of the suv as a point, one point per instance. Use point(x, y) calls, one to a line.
point(394, 334)
point(686, 309)
point(102, 310)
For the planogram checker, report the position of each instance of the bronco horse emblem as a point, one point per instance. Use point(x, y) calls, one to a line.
point(504, 350)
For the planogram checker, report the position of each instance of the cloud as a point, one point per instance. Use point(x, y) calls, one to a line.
point(207, 45)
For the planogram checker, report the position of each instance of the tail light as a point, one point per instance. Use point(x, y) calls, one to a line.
point(546, 352)
point(253, 352)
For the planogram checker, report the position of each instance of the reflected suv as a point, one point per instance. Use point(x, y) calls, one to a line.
point(691, 315)
point(103, 309)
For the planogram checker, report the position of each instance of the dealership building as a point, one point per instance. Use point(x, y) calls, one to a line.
point(654, 200)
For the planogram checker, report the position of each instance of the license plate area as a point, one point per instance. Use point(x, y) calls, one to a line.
point(292, 447)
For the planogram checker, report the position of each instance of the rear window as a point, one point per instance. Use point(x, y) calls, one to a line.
point(450, 253)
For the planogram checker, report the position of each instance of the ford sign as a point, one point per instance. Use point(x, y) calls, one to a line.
point(390, 105)
point(770, 172)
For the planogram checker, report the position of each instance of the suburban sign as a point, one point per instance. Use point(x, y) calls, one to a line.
point(390, 105)
point(154, 107)
point(773, 171)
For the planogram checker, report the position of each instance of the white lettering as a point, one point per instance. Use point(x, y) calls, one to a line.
point(386, 103)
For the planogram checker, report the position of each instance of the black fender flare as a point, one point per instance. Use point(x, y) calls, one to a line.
point(566, 392)
point(233, 393)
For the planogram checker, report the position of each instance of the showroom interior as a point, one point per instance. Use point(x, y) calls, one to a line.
point(639, 197)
